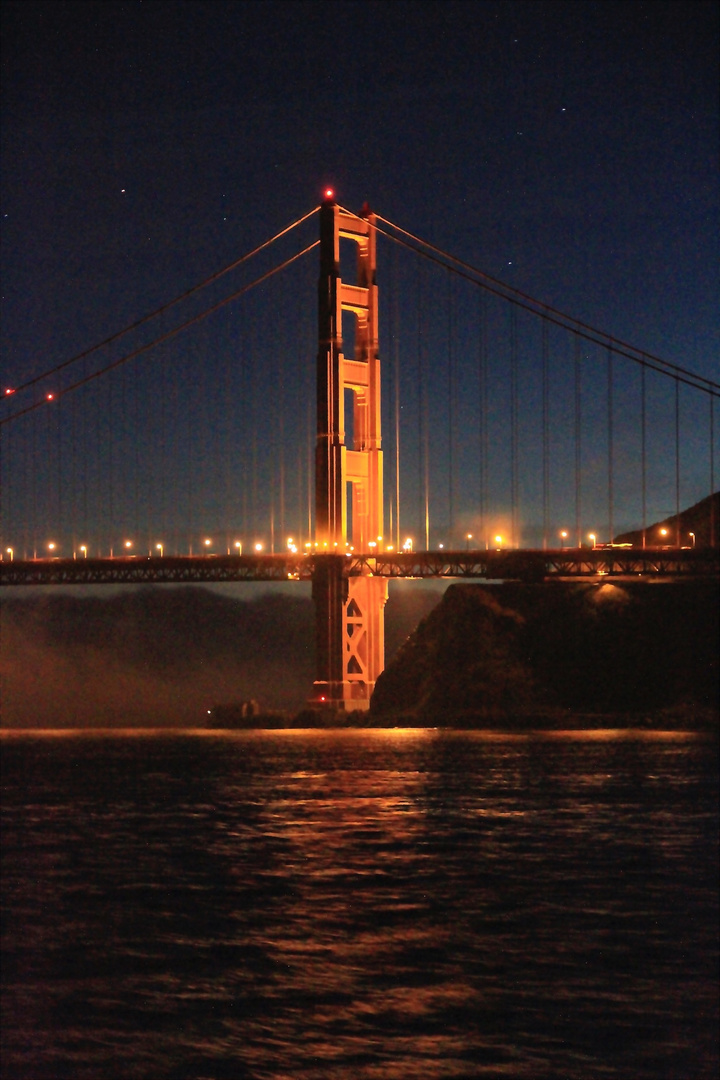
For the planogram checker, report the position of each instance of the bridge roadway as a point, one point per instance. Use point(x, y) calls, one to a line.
point(521, 565)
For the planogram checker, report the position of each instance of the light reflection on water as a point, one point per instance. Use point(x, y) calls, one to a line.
point(368, 904)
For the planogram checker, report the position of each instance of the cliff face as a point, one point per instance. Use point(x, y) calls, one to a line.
point(517, 650)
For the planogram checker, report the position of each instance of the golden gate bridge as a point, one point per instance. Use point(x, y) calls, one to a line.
point(509, 442)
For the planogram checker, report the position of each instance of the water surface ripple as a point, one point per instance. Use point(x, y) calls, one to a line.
point(365, 905)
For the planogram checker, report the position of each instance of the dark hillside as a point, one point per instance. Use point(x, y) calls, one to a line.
point(512, 650)
point(701, 522)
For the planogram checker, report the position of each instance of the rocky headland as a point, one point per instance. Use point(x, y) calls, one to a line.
point(602, 654)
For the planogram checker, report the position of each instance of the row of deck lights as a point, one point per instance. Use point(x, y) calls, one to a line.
point(309, 546)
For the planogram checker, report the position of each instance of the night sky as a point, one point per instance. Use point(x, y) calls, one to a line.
point(570, 149)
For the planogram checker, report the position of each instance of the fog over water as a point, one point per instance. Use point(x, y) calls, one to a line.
point(165, 655)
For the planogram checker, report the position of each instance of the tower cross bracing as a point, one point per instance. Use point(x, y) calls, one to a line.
point(348, 478)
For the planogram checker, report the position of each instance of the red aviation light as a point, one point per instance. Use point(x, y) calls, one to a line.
point(329, 193)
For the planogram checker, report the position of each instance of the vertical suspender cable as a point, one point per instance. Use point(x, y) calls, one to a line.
point(125, 484)
point(83, 414)
point(228, 506)
point(281, 436)
point(390, 397)
point(190, 465)
point(424, 374)
point(97, 495)
point(712, 469)
point(111, 485)
point(545, 435)
point(5, 499)
point(578, 440)
point(395, 392)
point(451, 414)
point(33, 481)
point(643, 454)
point(274, 426)
point(137, 428)
point(426, 439)
point(397, 443)
point(611, 527)
point(310, 466)
point(677, 462)
point(514, 424)
point(483, 440)
point(244, 398)
point(59, 458)
point(73, 473)
point(252, 368)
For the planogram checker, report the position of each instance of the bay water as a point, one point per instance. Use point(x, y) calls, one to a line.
point(359, 904)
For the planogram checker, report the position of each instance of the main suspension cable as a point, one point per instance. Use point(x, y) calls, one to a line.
point(547, 309)
point(158, 341)
point(542, 310)
point(161, 310)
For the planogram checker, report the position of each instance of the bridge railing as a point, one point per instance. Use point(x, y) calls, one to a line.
point(520, 565)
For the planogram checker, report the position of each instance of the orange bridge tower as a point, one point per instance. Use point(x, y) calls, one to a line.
point(349, 612)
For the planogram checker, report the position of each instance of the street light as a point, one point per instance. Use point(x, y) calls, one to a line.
point(238, 547)
point(11, 553)
point(128, 544)
point(563, 538)
point(498, 541)
point(258, 547)
point(692, 537)
point(408, 545)
point(468, 538)
point(593, 537)
point(161, 549)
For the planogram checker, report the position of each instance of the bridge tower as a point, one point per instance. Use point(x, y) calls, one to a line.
point(349, 612)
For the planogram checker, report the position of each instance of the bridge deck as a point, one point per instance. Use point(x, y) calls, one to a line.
point(521, 565)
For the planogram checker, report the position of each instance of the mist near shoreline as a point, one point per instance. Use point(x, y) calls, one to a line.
point(161, 656)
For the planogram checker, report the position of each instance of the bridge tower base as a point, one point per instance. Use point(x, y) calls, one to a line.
point(349, 612)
